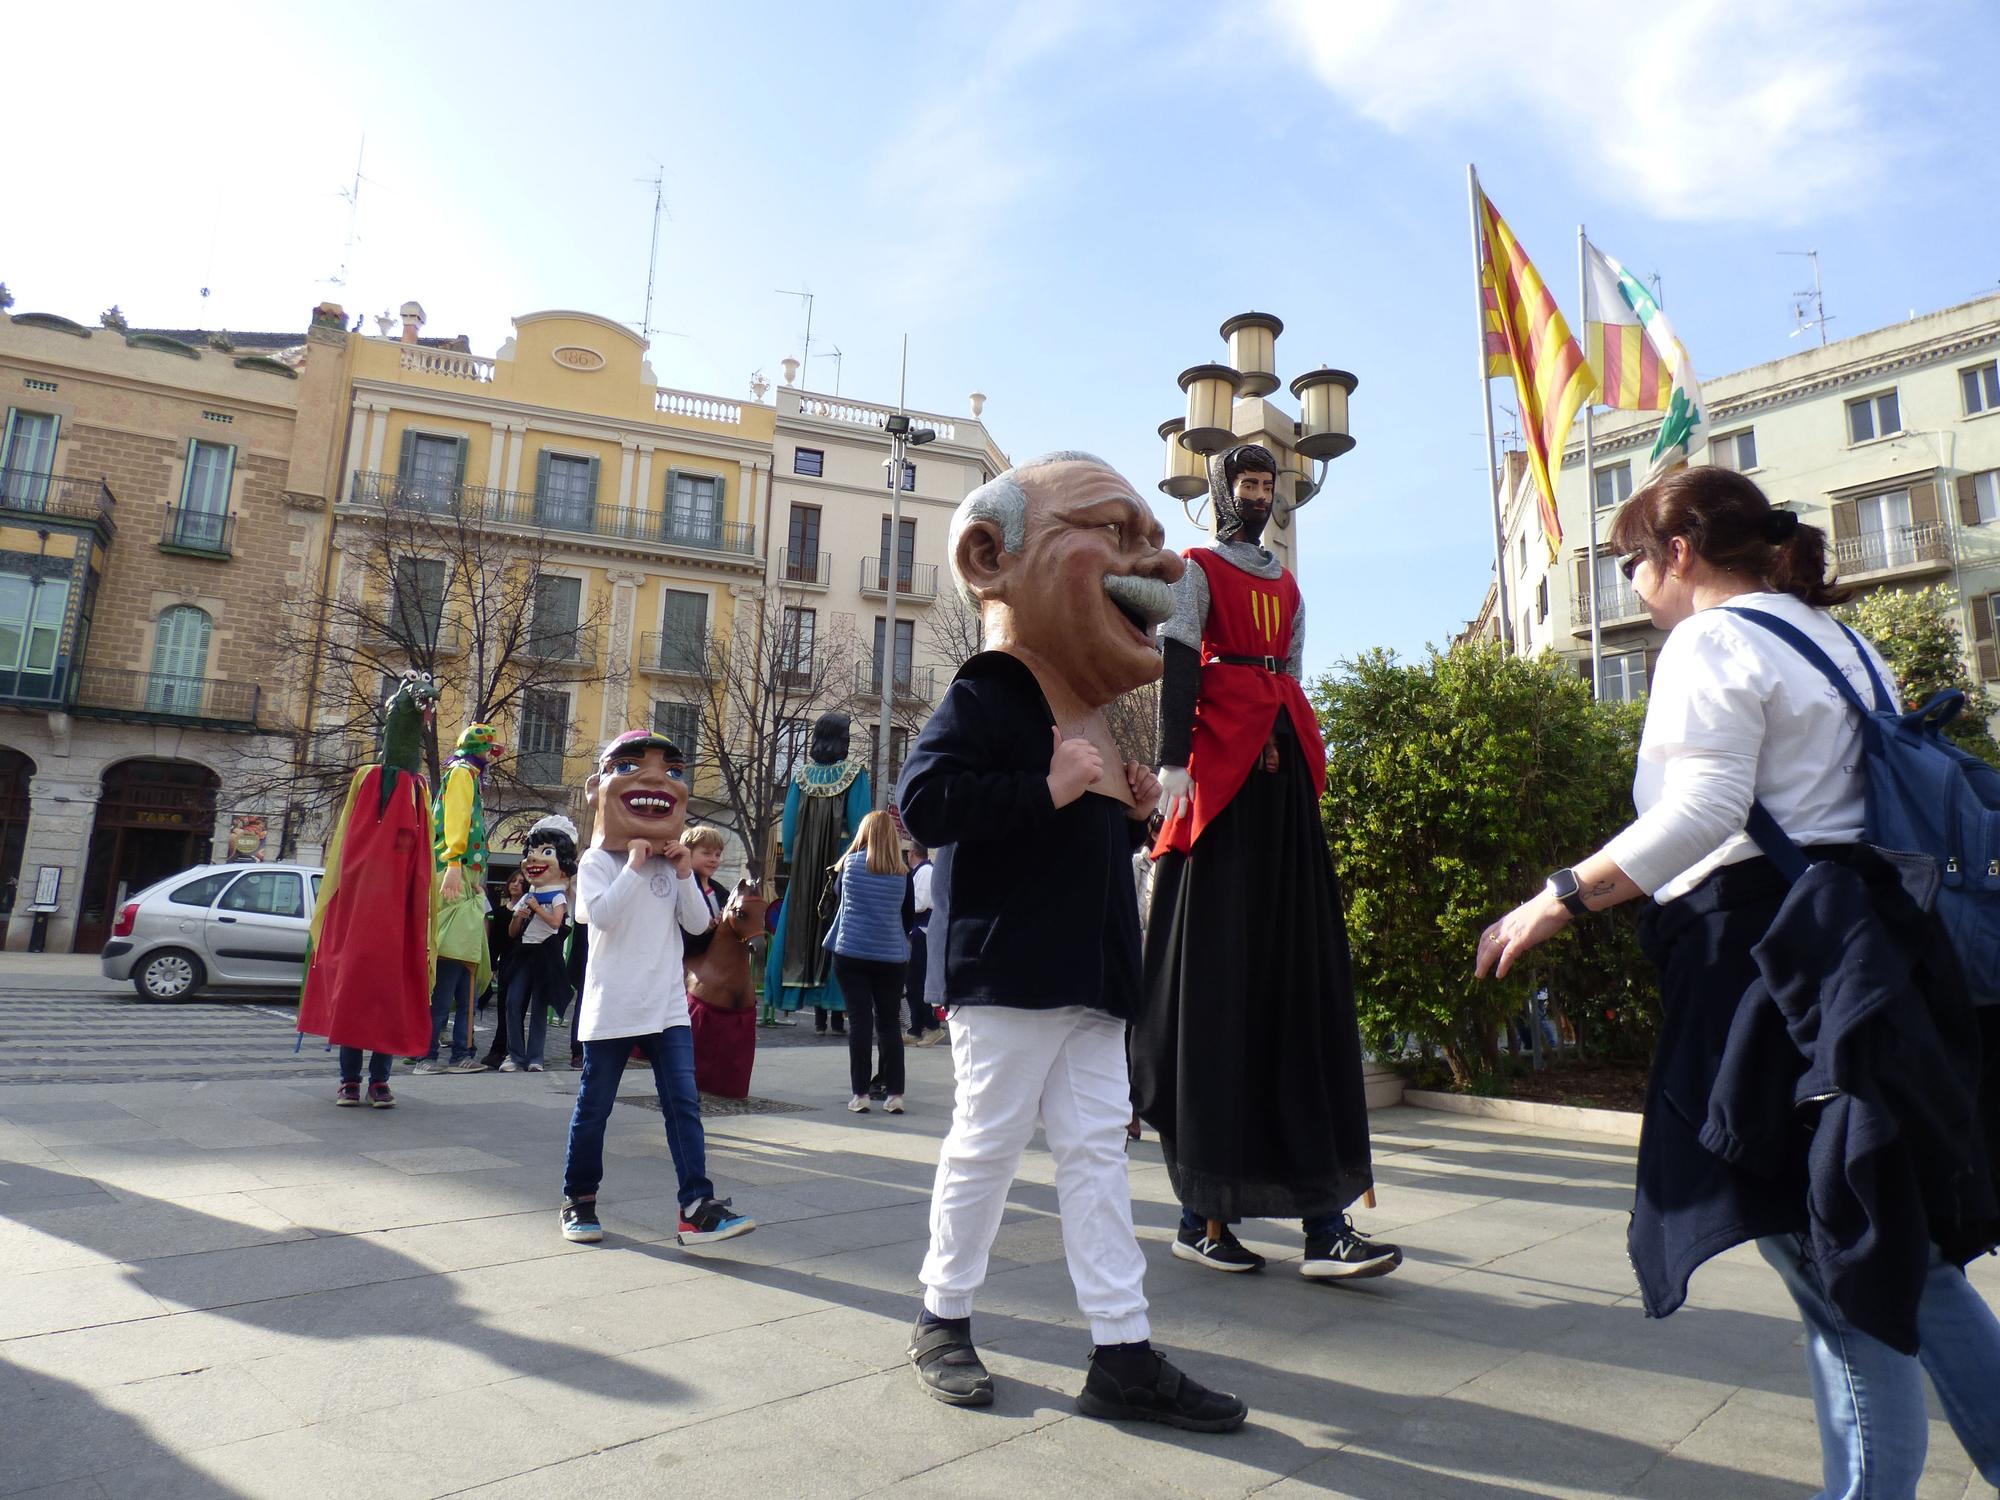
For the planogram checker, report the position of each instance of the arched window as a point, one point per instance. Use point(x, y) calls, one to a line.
point(180, 658)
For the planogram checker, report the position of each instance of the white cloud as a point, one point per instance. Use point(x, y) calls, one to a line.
point(1705, 110)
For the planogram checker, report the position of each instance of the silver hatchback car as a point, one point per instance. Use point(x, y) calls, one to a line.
point(240, 926)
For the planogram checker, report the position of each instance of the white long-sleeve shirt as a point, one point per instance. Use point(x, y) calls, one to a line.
point(1736, 715)
point(634, 983)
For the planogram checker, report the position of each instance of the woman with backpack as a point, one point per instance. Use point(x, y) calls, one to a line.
point(1817, 1083)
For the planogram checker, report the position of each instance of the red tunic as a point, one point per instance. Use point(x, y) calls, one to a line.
point(1237, 705)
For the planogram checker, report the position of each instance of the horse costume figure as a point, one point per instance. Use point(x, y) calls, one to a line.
point(372, 944)
point(722, 1001)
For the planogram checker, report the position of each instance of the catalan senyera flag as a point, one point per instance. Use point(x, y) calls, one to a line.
point(1527, 340)
point(1640, 365)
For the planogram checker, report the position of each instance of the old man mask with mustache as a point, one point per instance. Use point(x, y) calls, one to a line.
point(1062, 560)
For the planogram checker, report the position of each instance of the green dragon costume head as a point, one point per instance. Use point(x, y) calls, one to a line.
point(410, 707)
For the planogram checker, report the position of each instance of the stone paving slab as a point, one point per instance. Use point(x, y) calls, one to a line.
point(227, 1287)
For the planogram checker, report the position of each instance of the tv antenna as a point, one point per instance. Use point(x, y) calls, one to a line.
point(1659, 297)
point(659, 182)
point(1815, 297)
point(1511, 438)
point(834, 355)
point(805, 355)
point(353, 196)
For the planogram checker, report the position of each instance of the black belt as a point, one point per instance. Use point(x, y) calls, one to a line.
point(1268, 663)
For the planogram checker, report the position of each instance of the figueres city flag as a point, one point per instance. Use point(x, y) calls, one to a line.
point(1640, 364)
point(1528, 341)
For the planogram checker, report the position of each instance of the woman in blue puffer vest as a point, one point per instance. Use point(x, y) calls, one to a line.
point(869, 950)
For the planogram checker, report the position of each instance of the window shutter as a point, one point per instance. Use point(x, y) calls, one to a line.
point(1968, 500)
point(1982, 635)
point(1924, 503)
point(1846, 522)
point(407, 460)
point(541, 474)
point(1541, 601)
point(228, 480)
point(592, 492)
point(464, 447)
point(1583, 580)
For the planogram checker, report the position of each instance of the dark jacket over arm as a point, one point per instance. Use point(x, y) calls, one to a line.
point(1032, 905)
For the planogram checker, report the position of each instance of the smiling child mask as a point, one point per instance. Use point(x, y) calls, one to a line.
point(639, 791)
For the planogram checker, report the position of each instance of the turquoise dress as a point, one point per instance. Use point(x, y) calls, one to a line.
point(823, 807)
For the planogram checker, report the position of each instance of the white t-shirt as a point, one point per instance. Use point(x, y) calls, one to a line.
point(535, 930)
point(1736, 714)
point(633, 983)
point(920, 888)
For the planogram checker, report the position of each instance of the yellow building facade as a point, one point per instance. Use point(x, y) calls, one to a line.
point(639, 511)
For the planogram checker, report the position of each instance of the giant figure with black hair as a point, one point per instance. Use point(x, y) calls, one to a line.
point(1246, 1056)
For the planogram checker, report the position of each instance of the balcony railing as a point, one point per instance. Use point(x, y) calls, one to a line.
point(674, 655)
point(814, 569)
point(557, 513)
point(54, 495)
point(690, 404)
point(211, 533)
point(116, 693)
point(1614, 606)
point(427, 361)
point(835, 410)
point(575, 648)
point(913, 684)
point(1925, 544)
point(913, 580)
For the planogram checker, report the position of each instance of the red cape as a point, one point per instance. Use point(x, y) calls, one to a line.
point(368, 980)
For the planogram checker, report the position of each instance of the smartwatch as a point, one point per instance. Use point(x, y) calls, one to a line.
point(1563, 883)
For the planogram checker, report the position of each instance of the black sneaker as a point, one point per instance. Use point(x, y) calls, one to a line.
point(579, 1221)
point(713, 1220)
point(948, 1367)
point(1225, 1254)
point(1348, 1255)
point(1165, 1395)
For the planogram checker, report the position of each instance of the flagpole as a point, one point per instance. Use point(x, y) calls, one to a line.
point(1486, 400)
point(1590, 478)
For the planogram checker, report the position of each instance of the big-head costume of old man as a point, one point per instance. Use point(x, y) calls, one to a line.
point(1016, 785)
point(1246, 1056)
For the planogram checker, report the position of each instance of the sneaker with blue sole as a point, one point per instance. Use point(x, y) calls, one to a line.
point(712, 1219)
point(579, 1221)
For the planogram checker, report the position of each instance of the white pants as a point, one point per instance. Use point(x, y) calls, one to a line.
point(1066, 1067)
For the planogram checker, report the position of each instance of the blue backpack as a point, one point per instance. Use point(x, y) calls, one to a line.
point(1925, 796)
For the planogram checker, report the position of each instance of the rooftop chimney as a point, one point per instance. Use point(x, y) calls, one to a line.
point(413, 321)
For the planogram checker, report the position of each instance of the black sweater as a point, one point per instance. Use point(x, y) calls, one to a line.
point(1032, 905)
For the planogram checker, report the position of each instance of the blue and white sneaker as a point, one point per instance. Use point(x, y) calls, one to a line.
point(579, 1221)
point(712, 1220)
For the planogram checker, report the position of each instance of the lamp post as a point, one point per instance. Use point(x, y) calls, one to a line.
point(903, 436)
point(1226, 404)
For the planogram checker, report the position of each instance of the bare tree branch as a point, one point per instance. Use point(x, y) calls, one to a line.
point(425, 581)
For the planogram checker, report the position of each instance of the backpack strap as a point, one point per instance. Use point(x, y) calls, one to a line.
point(1776, 844)
point(1773, 841)
point(1807, 647)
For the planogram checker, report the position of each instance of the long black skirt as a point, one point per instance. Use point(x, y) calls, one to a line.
point(1246, 1056)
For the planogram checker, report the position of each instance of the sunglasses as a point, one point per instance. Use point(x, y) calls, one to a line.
point(1629, 564)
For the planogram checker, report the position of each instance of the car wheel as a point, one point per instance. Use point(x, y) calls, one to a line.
point(170, 974)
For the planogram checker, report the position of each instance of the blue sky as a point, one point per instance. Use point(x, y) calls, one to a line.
point(1058, 203)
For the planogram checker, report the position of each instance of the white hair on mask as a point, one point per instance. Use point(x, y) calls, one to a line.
point(1004, 502)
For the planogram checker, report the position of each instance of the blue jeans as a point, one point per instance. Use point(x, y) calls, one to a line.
point(350, 1066)
point(671, 1053)
point(1317, 1227)
point(527, 1017)
point(450, 994)
point(1873, 1430)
